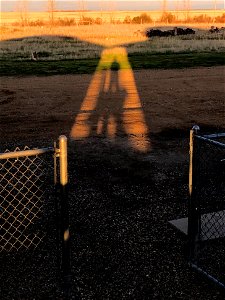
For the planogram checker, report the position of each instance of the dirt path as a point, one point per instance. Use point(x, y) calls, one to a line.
point(45, 107)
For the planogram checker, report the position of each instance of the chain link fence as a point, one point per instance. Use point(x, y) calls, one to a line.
point(206, 221)
point(31, 241)
point(23, 197)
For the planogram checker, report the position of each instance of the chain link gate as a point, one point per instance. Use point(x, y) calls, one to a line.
point(206, 219)
point(34, 246)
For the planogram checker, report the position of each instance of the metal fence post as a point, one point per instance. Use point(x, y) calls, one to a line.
point(194, 217)
point(65, 233)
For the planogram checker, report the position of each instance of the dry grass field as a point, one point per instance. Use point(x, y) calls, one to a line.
point(12, 17)
point(80, 42)
point(89, 39)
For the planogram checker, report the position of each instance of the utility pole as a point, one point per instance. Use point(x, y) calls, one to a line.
point(215, 9)
point(23, 9)
point(177, 8)
point(112, 9)
point(164, 7)
point(101, 6)
point(82, 5)
point(187, 6)
point(51, 10)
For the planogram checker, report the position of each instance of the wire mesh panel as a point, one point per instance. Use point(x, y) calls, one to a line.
point(23, 187)
point(208, 205)
point(28, 242)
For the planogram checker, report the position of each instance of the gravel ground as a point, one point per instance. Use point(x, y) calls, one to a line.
point(122, 246)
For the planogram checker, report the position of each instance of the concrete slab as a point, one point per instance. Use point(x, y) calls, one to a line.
point(212, 225)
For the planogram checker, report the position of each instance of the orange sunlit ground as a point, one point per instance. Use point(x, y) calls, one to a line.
point(112, 103)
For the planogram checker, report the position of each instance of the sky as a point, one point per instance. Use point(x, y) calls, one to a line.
point(41, 5)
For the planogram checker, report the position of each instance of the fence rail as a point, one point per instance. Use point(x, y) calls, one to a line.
point(24, 153)
point(210, 141)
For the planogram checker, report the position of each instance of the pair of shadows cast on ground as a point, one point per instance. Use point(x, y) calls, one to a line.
point(112, 106)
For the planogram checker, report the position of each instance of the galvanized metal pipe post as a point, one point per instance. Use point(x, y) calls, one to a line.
point(194, 217)
point(65, 233)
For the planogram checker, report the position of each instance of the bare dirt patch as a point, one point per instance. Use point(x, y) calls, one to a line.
point(121, 200)
point(171, 99)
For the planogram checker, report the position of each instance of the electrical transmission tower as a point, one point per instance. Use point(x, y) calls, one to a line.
point(177, 8)
point(82, 5)
point(23, 9)
point(51, 10)
point(187, 8)
point(107, 5)
point(164, 6)
point(187, 5)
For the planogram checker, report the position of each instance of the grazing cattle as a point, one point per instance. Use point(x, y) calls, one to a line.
point(153, 32)
point(214, 29)
point(189, 31)
point(181, 31)
point(166, 33)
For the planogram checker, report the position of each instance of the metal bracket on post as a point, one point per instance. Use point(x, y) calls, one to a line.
point(195, 129)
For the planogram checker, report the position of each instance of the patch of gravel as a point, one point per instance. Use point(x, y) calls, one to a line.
point(122, 246)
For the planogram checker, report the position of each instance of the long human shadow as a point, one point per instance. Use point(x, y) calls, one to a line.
point(112, 106)
point(106, 119)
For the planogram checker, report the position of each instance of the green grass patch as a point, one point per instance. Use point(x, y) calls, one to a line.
point(46, 68)
point(176, 60)
point(88, 66)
